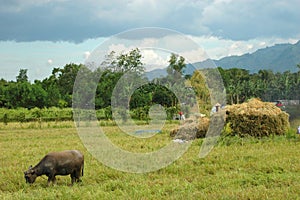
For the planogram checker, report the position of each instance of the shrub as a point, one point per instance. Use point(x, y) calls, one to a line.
point(140, 113)
point(108, 113)
point(171, 111)
point(40, 114)
point(5, 118)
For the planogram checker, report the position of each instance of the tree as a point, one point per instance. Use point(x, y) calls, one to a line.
point(3, 86)
point(22, 77)
point(142, 96)
point(26, 95)
point(105, 87)
point(163, 96)
point(53, 92)
point(234, 81)
point(130, 62)
point(126, 65)
point(199, 85)
point(296, 86)
point(110, 62)
point(65, 81)
point(176, 66)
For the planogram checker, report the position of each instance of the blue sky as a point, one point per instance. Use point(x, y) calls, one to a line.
point(41, 34)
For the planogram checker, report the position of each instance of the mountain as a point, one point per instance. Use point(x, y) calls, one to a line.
point(278, 58)
point(156, 73)
point(190, 68)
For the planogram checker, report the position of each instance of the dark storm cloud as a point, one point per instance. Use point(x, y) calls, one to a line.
point(243, 20)
point(62, 20)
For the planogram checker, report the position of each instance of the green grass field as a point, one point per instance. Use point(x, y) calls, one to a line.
point(237, 168)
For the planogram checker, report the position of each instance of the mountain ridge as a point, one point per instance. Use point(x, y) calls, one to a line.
point(278, 58)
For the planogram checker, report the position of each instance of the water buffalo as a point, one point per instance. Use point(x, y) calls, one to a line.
point(58, 163)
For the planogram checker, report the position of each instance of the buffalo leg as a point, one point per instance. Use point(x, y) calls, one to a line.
point(51, 178)
point(73, 178)
point(78, 175)
point(54, 180)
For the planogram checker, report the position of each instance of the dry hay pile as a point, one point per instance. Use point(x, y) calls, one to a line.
point(194, 127)
point(256, 118)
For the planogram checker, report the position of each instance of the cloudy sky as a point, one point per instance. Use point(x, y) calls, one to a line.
point(41, 34)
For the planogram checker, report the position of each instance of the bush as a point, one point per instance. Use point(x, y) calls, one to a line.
point(27, 115)
point(171, 111)
point(108, 113)
point(140, 113)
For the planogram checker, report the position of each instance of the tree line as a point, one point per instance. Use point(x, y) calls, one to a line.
point(265, 84)
point(57, 89)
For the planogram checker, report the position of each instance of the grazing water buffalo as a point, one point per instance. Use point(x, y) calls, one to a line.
point(58, 163)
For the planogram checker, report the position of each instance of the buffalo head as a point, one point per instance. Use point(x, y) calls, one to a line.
point(30, 175)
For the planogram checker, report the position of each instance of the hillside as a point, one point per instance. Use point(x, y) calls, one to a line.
point(278, 58)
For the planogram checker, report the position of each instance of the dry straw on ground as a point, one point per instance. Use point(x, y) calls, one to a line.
point(254, 118)
point(194, 127)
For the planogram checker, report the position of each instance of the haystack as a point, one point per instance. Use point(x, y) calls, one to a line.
point(256, 118)
point(194, 127)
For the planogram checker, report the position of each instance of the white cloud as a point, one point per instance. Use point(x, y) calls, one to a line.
point(50, 61)
point(250, 46)
point(86, 54)
point(154, 59)
point(151, 56)
point(217, 48)
point(196, 55)
point(149, 42)
point(45, 54)
point(155, 51)
point(119, 48)
point(262, 43)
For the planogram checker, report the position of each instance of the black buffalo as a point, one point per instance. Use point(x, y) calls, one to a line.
point(58, 163)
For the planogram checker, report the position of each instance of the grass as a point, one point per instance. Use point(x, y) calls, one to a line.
point(237, 168)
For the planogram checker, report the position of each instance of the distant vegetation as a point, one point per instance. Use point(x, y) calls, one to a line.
point(57, 90)
point(241, 85)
